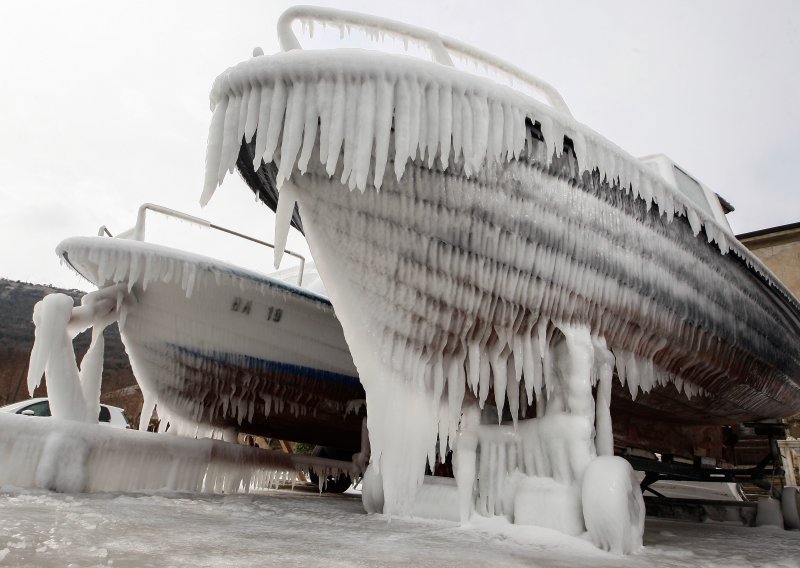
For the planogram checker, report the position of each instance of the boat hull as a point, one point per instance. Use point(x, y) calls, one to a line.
point(426, 256)
point(486, 228)
point(220, 347)
point(498, 265)
point(443, 260)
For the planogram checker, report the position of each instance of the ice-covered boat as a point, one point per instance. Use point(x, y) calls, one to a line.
point(484, 249)
point(217, 346)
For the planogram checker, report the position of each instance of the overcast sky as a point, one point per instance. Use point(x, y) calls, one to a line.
point(104, 105)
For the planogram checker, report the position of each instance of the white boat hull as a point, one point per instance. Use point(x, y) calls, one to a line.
point(221, 347)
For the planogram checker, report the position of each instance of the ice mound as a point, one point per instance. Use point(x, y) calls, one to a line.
point(71, 457)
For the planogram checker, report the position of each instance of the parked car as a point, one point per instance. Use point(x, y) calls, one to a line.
point(109, 415)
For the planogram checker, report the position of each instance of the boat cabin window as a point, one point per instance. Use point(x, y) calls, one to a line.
point(691, 189)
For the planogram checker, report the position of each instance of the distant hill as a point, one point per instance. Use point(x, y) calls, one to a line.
point(16, 340)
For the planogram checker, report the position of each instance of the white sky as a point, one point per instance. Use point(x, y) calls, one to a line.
point(104, 105)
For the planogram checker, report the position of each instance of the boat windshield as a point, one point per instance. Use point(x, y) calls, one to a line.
point(689, 187)
point(311, 280)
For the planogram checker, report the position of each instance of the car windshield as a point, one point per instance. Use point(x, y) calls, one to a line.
point(42, 408)
point(38, 409)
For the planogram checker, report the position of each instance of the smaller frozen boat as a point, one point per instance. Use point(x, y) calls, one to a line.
point(219, 347)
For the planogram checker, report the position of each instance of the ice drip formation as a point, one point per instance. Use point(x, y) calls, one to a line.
point(494, 265)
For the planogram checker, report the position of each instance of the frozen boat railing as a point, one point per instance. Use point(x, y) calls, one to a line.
point(137, 232)
point(440, 47)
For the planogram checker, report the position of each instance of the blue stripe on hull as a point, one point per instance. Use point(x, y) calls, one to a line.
point(268, 366)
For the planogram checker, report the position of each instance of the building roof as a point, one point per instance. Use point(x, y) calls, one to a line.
point(770, 231)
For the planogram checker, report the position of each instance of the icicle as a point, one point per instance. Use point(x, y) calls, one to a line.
point(579, 145)
point(414, 108)
point(251, 122)
point(480, 121)
point(694, 221)
point(496, 131)
point(264, 108)
point(484, 381)
point(621, 358)
point(350, 129)
point(445, 125)
point(531, 369)
point(550, 142)
point(468, 138)
point(383, 128)
point(365, 133)
point(517, 355)
point(292, 131)
point(455, 389)
point(230, 145)
point(632, 374)
point(310, 123)
point(214, 151)
point(512, 391)
point(324, 98)
point(277, 109)
point(421, 118)
point(500, 375)
point(402, 127)
point(336, 130)
point(432, 107)
point(287, 197)
point(510, 114)
point(241, 122)
point(444, 429)
point(457, 102)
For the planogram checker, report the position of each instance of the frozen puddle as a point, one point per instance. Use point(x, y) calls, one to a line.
point(302, 528)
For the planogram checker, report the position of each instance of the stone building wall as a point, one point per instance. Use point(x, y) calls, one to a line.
point(779, 249)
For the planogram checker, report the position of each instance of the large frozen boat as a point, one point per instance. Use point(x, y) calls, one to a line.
point(487, 254)
point(219, 347)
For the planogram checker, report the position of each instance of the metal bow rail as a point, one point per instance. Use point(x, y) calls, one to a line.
point(137, 232)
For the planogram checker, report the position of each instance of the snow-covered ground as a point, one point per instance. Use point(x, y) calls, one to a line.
point(302, 528)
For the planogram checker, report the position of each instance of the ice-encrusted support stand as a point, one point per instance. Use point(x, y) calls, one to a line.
point(74, 393)
point(542, 471)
